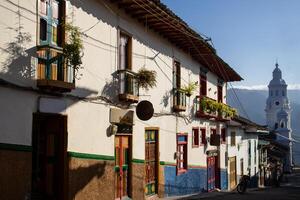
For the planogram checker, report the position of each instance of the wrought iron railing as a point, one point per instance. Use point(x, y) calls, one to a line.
point(179, 99)
point(128, 83)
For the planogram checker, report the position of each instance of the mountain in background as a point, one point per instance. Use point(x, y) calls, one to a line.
point(253, 107)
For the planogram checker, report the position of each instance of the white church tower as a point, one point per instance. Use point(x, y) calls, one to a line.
point(278, 113)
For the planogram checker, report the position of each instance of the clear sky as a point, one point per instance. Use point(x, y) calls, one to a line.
point(249, 34)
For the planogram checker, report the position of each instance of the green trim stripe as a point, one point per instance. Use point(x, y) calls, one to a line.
point(16, 147)
point(166, 163)
point(134, 160)
point(90, 156)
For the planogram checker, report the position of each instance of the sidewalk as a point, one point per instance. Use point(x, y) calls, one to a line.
point(208, 194)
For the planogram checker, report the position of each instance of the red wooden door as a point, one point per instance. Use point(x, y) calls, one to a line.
point(122, 166)
point(211, 173)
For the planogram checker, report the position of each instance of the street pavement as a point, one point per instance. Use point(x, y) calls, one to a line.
point(289, 190)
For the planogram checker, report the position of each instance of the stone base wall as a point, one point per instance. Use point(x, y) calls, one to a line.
point(91, 179)
point(138, 177)
point(15, 174)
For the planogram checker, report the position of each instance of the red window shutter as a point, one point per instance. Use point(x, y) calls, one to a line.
point(203, 136)
point(195, 137)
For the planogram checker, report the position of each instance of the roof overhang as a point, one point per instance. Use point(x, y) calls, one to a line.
point(156, 16)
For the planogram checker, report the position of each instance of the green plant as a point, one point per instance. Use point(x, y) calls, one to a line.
point(203, 104)
point(73, 47)
point(189, 88)
point(212, 106)
point(146, 78)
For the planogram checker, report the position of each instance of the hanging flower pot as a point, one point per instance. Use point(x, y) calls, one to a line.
point(146, 78)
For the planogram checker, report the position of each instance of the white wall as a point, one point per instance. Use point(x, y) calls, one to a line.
point(88, 121)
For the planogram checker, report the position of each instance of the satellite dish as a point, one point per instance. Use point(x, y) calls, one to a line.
point(144, 110)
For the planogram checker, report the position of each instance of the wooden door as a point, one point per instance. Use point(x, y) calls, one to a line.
point(211, 173)
point(151, 162)
point(50, 156)
point(232, 172)
point(122, 164)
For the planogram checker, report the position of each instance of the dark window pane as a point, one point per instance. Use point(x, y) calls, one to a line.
point(43, 29)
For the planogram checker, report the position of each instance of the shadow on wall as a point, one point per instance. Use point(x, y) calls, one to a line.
point(111, 90)
point(80, 177)
point(18, 64)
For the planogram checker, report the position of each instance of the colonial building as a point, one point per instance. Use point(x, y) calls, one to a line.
point(278, 113)
point(74, 134)
point(242, 151)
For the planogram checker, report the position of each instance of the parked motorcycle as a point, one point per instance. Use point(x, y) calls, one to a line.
point(243, 184)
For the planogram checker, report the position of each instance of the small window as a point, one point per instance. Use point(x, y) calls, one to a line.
point(271, 93)
point(276, 126)
point(203, 136)
point(232, 138)
point(282, 125)
point(283, 93)
point(276, 92)
point(195, 135)
point(43, 29)
point(182, 153)
point(223, 135)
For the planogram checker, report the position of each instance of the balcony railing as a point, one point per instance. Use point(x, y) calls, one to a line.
point(179, 99)
point(209, 108)
point(52, 71)
point(129, 90)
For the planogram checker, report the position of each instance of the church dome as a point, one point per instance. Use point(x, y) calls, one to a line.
point(277, 77)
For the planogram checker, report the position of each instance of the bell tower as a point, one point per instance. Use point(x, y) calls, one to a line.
point(278, 112)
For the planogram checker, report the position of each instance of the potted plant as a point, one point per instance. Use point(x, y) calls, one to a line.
point(189, 88)
point(146, 78)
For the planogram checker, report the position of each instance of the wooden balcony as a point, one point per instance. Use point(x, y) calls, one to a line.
point(211, 109)
point(129, 90)
point(202, 110)
point(179, 100)
point(52, 72)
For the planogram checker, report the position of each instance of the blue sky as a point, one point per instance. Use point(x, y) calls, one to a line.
point(249, 35)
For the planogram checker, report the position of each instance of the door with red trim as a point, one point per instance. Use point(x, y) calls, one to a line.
point(122, 164)
point(211, 163)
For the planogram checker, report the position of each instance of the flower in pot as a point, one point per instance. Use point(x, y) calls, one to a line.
point(189, 88)
point(146, 78)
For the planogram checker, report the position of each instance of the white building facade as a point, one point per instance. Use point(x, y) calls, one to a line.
point(243, 154)
point(82, 132)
